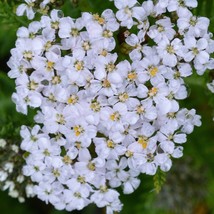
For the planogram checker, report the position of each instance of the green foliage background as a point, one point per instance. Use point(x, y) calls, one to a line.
point(187, 188)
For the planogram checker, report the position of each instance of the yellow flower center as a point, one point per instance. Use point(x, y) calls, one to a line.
point(55, 25)
point(132, 76)
point(56, 80)
point(160, 28)
point(104, 52)
point(123, 97)
point(91, 166)
point(110, 144)
point(78, 130)
point(81, 179)
point(106, 83)
point(115, 116)
point(60, 119)
point(170, 49)
point(95, 106)
point(79, 65)
point(107, 34)
point(28, 55)
point(56, 172)
point(143, 141)
point(32, 85)
point(129, 154)
point(153, 71)
point(74, 32)
point(140, 109)
point(78, 145)
point(72, 99)
point(49, 65)
point(86, 46)
point(110, 67)
point(47, 45)
point(128, 11)
point(153, 91)
point(52, 98)
point(99, 19)
point(67, 160)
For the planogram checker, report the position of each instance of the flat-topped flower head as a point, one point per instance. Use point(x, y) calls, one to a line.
point(105, 115)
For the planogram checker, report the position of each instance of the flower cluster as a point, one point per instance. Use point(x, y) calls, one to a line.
point(11, 178)
point(102, 121)
point(31, 7)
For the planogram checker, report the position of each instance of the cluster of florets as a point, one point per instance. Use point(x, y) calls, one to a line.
point(11, 176)
point(31, 7)
point(102, 121)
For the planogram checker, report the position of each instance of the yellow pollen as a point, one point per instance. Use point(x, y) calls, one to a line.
point(195, 51)
point(129, 154)
point(56, 80)
point(123, 97)
point(46, 152)
point(104, 52)
point(28, 55)
point(56, 172)
point(55, 25)
point(153, 71)
point(32, 85)
point(110, 144)
point(81, 179)
point(32, 35)
point(86, 46)
point(91, 166)
point(47, 45)
point(49, 65)
point(170, 137)
point(67, 160)
point(78, 130)
point(107, 34)
point(51, 98)
point(60, 119)
point(128, 11)
point(153, 91)
point(99, 19)
point(193, 21)
point(160, 28)
point(72, 99)
point(74, 32)
point(170, 49)
point(132, 76)
point(110, 67)
point(103, 189)
point(115, 116)
point(171, 115)
point(95, 106)
point(78, 145)
point(140, 109)
point(177, 74)
point(106, 83)
point(79, 65)
point(143, 141)
point(77, 195)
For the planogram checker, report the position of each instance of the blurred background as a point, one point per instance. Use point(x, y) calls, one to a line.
point(189, 186)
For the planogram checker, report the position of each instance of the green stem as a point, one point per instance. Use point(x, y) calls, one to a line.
point(104, 210)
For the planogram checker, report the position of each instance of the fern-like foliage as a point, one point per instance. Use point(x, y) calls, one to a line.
point(159, 180)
